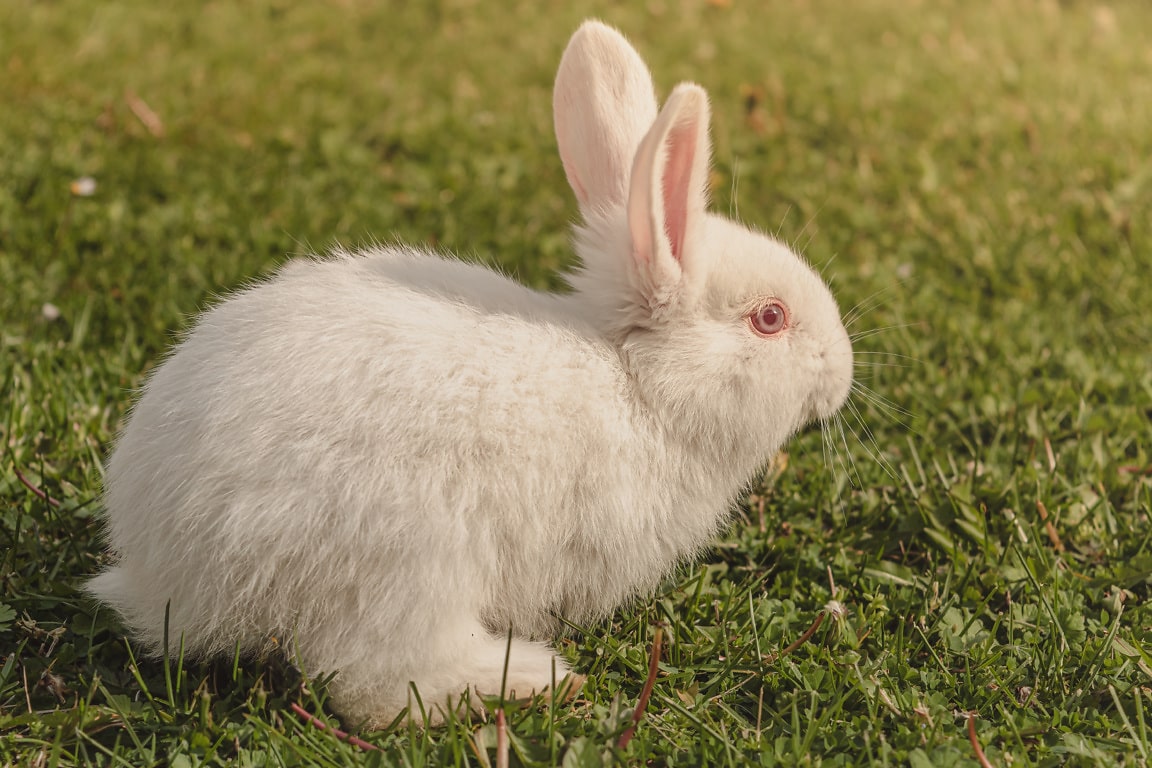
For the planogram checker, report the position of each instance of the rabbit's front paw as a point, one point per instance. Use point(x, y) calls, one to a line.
point(532, 668)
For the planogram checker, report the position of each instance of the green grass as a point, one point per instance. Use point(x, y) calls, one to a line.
point(978, 174)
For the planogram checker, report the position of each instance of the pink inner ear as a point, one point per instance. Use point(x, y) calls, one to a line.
point(681, 147)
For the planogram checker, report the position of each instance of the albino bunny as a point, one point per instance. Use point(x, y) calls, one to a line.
point(389, 459)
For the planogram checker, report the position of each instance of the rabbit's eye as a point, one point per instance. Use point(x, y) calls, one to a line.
point(770, 319)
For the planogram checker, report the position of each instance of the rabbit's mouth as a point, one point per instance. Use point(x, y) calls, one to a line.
point(829, 398)
point(825, 403)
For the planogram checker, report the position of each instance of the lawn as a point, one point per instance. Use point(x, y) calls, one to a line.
point(975, 179)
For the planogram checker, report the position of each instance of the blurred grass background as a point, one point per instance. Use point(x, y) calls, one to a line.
point(981, 172)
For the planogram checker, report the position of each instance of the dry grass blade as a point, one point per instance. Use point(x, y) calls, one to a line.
point(28, 484)
point(980, 757)
point(815, 625)
point(1049, 528)
point(501, 740)
point(145, 114)
point(311, 719)
point(646, 692)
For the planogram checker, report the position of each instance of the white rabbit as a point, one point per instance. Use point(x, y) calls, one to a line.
point(390, 459)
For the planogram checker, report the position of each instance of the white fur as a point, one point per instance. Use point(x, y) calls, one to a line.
point(387, 459)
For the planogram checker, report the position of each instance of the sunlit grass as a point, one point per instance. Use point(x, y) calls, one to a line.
point(976, 181)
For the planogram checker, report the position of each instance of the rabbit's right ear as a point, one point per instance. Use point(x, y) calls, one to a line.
point(603, 104)
point(668, 196)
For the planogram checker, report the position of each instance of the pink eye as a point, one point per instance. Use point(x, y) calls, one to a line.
point(769, 319)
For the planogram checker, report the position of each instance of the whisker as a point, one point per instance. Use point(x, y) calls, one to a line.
point(883, 404)
point(824, 444)
point(784, 218)
point(876, 398)
point(808, 242)
point(873, 331)
point(869, 364)
point(823, 267)
point(876, 454)
point(887, 354)
point(735, 202)
point(865, 305)
point(830, 446)
point(870, 302)
point(794, 244)
point(858, 481)
point(863, 360)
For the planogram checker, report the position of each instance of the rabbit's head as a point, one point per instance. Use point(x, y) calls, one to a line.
point(731, 339)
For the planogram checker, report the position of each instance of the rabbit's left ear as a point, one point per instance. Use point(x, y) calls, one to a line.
point(668, 196)
point(602, 104)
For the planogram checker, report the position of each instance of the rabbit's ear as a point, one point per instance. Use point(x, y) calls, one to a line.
point(668, 195)
point(602, 105)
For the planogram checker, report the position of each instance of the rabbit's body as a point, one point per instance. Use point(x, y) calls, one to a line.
point(359, 489)
point(388, 459)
